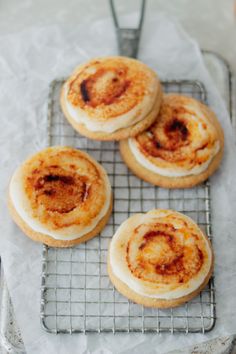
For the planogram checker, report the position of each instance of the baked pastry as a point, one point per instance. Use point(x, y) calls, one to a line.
point(181, 149)
point(111, 98)
point(60, 196)
point(160, 259)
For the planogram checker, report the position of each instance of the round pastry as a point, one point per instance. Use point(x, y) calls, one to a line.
point(181, 149)
point(60, 196)
point(111, 98)
point(160, 259)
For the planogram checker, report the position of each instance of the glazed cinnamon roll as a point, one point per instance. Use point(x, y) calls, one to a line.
point(182, 148)
point(111, 98)
point(60, 196)
point(160, 259)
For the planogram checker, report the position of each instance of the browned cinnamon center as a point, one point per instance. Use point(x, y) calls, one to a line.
point(104, 87)
point(166, 141)
point(176, 130)
point(59, 191)
point(161, 254)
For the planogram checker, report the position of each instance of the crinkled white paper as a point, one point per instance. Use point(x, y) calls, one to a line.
point(28, 63)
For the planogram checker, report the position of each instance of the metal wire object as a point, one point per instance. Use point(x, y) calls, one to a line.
point(76, 294)
point(128, 38)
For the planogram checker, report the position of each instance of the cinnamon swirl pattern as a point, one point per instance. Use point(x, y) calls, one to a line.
point(111, 98)
point(160, 259)
point(60, 196)
point(181, 149)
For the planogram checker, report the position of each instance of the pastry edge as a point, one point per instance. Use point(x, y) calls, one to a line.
point(50, 241)
point(122, 133)
point(175, 182)
point(146, 301)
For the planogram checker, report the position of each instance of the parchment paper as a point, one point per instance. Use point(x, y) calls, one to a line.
point(28, 62)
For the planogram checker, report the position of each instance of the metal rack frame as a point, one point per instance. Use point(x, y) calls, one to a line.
point(76, 294)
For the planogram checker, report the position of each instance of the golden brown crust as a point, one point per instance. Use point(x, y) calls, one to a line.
point(153, 302)
point(108, 87)
point(59, 195)
point(120, 134)
point(64, 190)
point(175, 182)
point(166, 254)
point(39, 237)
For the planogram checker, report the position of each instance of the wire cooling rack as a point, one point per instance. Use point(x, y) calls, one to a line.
point(76, 294)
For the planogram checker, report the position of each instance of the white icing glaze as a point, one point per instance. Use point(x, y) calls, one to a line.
point(170, 172)
point(22, 206)
point(196, 120)
point(118, 263)
point(113, 124)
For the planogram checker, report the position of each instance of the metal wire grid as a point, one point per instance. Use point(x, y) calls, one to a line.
point(76, 294)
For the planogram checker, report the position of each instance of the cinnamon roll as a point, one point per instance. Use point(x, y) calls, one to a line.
point(160, 259)
point(182, 148)
point(60, 196)
point(111, 98)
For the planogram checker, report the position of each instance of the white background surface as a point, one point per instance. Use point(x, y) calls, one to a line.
point(27, 99)
point(211, 22)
